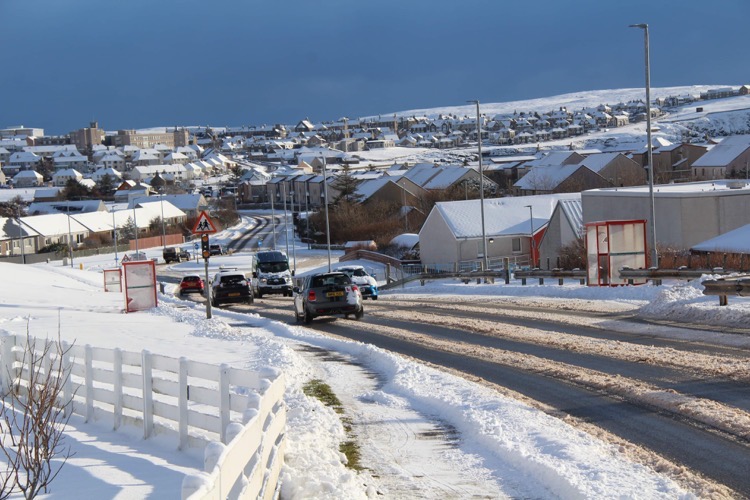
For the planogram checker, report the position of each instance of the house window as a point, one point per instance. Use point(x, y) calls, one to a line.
point(516, 245)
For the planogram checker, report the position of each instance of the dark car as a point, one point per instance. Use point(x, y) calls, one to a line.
point(230, 286)
point(172, 254)
point(216, 249)
point(327, 294)
point(191, 283)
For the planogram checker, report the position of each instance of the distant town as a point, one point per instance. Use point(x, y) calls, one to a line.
point(92, 170)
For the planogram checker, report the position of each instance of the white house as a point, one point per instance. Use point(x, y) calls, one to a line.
point(451, 237)
point(27, 178)
point(61, 177)
point(99, 174)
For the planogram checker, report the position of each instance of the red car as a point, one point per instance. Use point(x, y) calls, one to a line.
point(191, 283)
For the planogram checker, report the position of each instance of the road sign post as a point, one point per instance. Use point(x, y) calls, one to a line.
point(204, 226)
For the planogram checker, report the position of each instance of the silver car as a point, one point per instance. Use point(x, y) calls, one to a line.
point(327, 294)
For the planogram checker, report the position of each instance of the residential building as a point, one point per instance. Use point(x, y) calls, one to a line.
point(729, 158)
point(86, 138)
point(172, 138)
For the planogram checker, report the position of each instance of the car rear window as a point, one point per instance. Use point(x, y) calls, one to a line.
point(191, 278)
point(232, 278)
point(334, 279)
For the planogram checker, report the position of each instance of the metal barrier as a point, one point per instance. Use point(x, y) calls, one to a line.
point(724, 287)
point(657, 275)
point(559, 274)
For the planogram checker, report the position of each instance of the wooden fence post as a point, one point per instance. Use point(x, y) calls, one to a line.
point(224, 400)
point(182, 403)
point(117, 369)
point(89, 382)
point(148, 397)
point(67, 366)
point(7, 359)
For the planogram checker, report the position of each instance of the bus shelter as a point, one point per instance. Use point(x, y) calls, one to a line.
point(612, 245)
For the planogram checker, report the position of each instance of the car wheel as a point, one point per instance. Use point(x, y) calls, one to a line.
point(358, 315)
point(374, 297)
point(308, 317)
point(260, 295)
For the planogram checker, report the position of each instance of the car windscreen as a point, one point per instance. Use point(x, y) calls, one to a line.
point(273, 267)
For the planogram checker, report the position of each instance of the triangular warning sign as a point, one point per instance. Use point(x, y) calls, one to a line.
point(204, 225)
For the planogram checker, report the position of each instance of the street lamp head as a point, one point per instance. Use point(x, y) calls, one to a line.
point(643, 26)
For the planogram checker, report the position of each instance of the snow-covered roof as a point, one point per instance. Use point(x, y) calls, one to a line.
point(725, 152)
point(735, 241)
point(65, 207)
point(509, 216)
point(597, 162)
point(53, 224)
point(367, 188)
point(446, 177)
point(546, 177)
point(408, 240)
point(719, 187)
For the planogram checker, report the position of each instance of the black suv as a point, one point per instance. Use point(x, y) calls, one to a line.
point(216, 249)
point(230, 286)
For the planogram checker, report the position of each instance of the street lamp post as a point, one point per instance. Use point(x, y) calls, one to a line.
point(649, 148)
point(481, 189)
point(273, 218)
point(532, 242)
point(294, 241)
point(163, 233)
point(135, 223)
point(70, 237)
point(114, 229)
point(325, 201)
point(20, 235)
point(286, 222)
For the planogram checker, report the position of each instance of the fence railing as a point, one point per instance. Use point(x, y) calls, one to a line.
point(724, 287)
point(200, 404)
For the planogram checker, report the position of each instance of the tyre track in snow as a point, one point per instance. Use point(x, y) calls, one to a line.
point(720, 454)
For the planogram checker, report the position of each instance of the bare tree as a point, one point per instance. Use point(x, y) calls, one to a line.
point(33, 418)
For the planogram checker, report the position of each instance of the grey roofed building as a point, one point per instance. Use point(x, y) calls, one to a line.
point(66, 207)
point(452, 234)
point(564, 227)
point(686, 213)
point(725, 159)
point(191, 204)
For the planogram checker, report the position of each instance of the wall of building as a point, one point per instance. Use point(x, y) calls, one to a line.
point(682, 220)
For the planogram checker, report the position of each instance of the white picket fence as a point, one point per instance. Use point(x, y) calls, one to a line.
point(237, 416)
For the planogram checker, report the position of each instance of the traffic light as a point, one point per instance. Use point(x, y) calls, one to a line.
point(204, 246)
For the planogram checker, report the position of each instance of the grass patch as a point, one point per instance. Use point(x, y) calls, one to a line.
point(318, 389)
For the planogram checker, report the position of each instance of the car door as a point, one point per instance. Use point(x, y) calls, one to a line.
point(299, 298)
